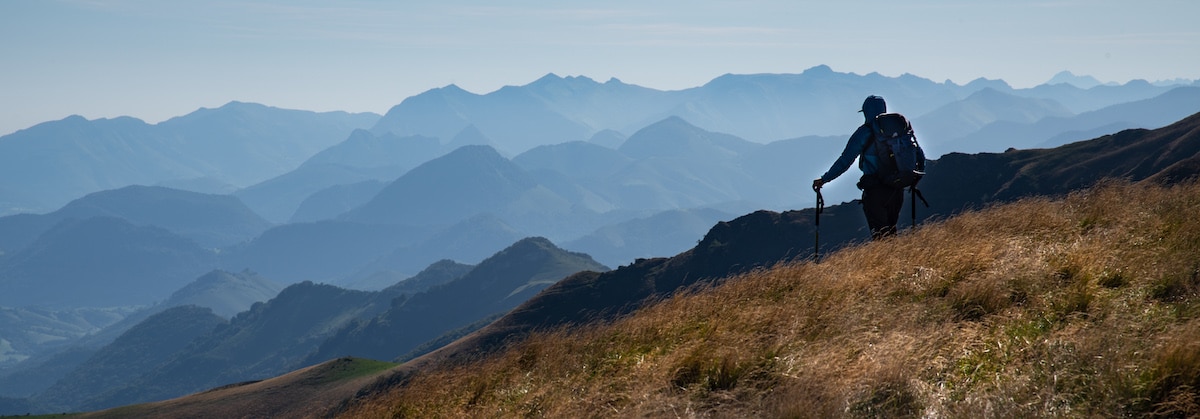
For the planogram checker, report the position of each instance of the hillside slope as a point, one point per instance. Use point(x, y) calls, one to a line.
point(302, 393)
point(1088, 308)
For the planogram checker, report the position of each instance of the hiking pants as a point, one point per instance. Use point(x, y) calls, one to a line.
point(882, 206)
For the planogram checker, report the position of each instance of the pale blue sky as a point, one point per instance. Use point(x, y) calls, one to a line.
point(155, 59)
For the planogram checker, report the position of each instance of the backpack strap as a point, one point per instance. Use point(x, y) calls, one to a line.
point(862, 154)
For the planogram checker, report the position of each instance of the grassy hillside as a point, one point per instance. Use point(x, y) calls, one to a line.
point(1084, 306)
point(301, 393)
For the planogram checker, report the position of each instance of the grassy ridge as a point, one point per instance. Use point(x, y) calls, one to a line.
point(1083, 306)
point(307, 392)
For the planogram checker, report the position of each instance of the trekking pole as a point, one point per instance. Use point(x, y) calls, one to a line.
point(817, 223)
point(913, 195)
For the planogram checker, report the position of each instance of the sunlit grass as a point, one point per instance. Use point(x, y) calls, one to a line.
point(1077, 307)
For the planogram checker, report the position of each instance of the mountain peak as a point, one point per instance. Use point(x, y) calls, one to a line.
point(1067, 77)
point(226, 293)
point(818, 70)
point(676, 137)
point(548, 78)
point(470, 180)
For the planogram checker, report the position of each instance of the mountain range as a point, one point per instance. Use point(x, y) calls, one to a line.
point(188, 348)
point(237, 145)
point(763, 239)
point(626, 174)
point(374, 223)
point(64, 160)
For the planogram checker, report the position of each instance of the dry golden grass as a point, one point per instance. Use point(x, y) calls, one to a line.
point(1080, 307)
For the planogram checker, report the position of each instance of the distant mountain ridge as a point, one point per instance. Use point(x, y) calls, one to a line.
point(135, 352)
point(100, 262)
point(241, 144)
point(211, 220)
point(47, 165)
point(225, 293)
point(360, 157)
point(938, 129)
point(459, 193)
point(1052, 131)
point(492, 287)
point(286, 331)
point(757, 107)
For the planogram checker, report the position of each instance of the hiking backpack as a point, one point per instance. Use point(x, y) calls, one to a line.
point(900, 160)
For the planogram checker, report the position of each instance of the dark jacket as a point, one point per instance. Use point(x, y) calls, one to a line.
point(859, 145)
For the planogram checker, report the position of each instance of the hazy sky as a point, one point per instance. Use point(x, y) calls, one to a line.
point(155, 59)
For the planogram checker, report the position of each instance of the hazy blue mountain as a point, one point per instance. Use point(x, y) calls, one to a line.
point(937, 129)
point(576, 159)
point(435, 274)
point(361, 157)
point(281, 334)
point(40, 346)
point(366, 150)
point(210, 220)
point(664, 234)
point(613, 104)
point(761, 107)
point(201, 185)
point(47, 165)
point(608, 138)
point(504, 115)
point(28, 331)
point(783, 172)
point(225, 293)
point(331, 202)
point(1082, 82)
point(138, 351)
point(242, 144)
point(493, 286)
point(323, 251)
point(248, 143)
point(1155, 112)
point(218, 292)
point(563, 110)
point(675, 138)
point(16, 406)
point(434, 113)
point(100, 262)
point(41, 371)
point(267, 340)
point(469, 241)
point(658, 184)
point(672, 164)
point(470, 135)
point(678, 165)
point(757, 107)
point(1083, 100)
point(52, 344)
point(18, 230)
point(468, 181)
point(278, 199)
point(819, 101)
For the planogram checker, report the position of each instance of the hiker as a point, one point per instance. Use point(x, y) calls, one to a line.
point(882, 200)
